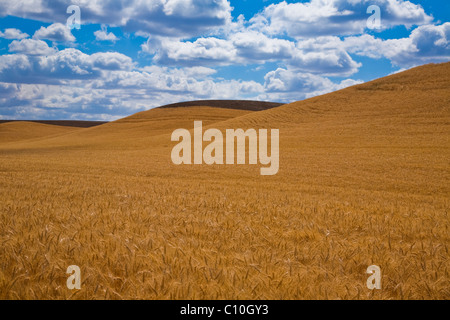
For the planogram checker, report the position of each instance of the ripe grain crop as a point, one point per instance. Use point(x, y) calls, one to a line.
point(364, 179)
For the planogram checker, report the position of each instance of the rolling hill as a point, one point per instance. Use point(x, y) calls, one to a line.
point(227, 104)
point(128, 132)
point(24, 130)
point(64, 123)
point(363, 180)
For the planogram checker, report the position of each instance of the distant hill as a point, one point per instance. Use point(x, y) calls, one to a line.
point(64, 123)
point(250, 105)
point(14, 131)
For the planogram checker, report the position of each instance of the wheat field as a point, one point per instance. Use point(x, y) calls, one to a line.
point(363, 180)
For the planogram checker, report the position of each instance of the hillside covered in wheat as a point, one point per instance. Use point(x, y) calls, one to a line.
point(363, 180)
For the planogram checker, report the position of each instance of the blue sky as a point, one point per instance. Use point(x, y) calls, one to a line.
point(133, 55)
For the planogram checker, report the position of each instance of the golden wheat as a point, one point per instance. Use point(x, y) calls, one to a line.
point(364, 179)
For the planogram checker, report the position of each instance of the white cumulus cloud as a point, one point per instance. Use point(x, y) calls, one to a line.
point(427, 43)
point(13, 33)
point(287, 85)
point(335, 17)
point(55, 32)
point(160, 17)
point(104, 35)
point(31, 47)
